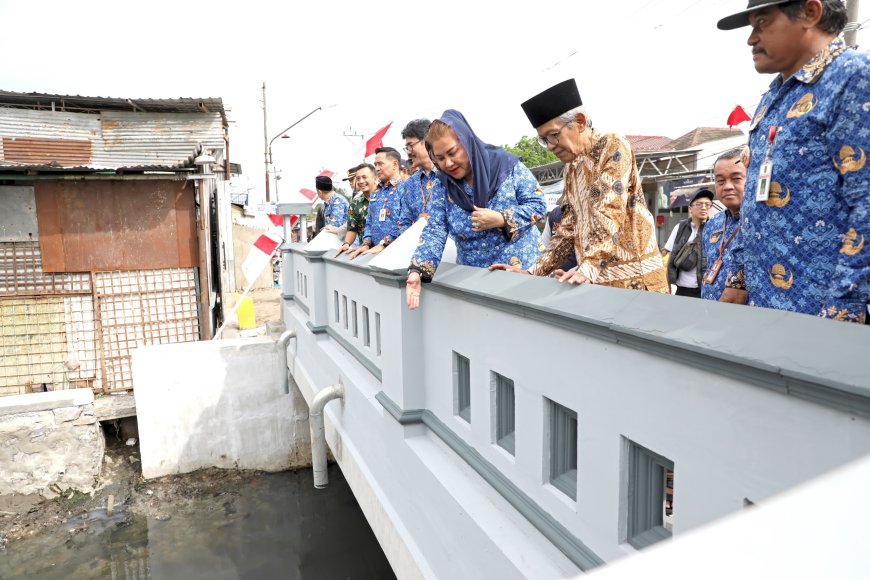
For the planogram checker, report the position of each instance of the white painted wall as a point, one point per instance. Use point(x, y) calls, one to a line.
point(220, 404)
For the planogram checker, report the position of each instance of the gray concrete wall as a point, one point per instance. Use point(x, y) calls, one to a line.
point(49, 442)
point(746, 402)
point(218, 404)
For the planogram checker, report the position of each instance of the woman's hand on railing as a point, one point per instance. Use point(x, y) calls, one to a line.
point(508, 268)
point(413, 287)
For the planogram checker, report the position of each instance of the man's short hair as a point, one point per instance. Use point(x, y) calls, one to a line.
point(834, 17)
point(390, 152)
point(368, 166)
point(736, 153)
point(416, 128)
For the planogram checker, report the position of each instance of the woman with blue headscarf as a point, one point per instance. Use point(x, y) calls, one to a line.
point(485, 199)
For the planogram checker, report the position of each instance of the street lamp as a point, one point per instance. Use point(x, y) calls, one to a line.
point(268, 151)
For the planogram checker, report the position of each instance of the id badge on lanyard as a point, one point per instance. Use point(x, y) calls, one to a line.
point(762, 191)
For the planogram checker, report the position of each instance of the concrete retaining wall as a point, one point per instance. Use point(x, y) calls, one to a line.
point(49, 442)
point(220, 403)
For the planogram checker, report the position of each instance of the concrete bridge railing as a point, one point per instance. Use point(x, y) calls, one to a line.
point(516, 427)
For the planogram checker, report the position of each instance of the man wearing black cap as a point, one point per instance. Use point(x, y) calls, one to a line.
point(686, 266)
point(605, 221)
point(805, 218)
point(334, 205)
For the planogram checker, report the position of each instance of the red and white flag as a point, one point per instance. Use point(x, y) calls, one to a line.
point(309, 194)
point(377, 140)
point(737, 116)
point(261, 254)
point(326, 173)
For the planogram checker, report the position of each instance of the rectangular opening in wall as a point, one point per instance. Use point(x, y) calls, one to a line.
point(337, 312)
point(650, 497)
point(344, 305)
point(353, 315)
point(367, 340)
point(505, 412)
point(378, 332)
point(462, 386)
point(563, 449)
point(305, 284)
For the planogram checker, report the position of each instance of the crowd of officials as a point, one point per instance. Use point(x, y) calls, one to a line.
point(796, 199)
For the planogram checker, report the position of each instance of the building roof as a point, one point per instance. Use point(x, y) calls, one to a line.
point(80, 104)
point(55, 132)
point(701, 135)
point(648, 143)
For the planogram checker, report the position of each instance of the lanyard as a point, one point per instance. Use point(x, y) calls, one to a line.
point(723, 245)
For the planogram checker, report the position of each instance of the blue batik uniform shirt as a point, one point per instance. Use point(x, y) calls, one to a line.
point(519, 199)
point(717, 231)
point(335, 211)
point(416, 193)
point(382, 222)
point(804, 249)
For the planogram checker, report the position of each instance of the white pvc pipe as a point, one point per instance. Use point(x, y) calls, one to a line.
point(283, 341)
point(318, 432)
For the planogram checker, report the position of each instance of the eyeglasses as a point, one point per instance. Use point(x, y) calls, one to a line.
point(702, 205)
point(551, 138)
point(410, 146)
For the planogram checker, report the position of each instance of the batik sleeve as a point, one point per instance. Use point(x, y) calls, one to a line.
point(434, 236)
point(560, 247)
point(338, 213)
point(530, 206)
point(848, 141)
point(603, 207)
point(406, 215)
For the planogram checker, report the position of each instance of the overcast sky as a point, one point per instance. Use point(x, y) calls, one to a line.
point(650, 67)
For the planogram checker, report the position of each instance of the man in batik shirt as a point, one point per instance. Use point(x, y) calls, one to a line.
point(363, 182)
point(722, 231)
point(384, 204)
point(605, 221)
point(417, 190)
point(334, 206)
point(806, 214)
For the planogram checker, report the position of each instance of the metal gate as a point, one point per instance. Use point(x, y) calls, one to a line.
point(75, 330)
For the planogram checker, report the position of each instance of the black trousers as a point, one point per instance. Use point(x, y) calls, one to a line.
point(690, 292)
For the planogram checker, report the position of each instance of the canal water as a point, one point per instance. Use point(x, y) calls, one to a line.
point(276, 526)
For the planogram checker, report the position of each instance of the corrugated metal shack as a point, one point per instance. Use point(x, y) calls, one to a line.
point(108, 234)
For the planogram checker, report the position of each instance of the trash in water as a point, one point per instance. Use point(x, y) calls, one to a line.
point(131, 441)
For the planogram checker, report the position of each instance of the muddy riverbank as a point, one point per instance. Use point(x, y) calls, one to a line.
point(209, 524)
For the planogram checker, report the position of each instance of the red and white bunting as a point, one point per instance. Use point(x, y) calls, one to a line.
point(261, 254)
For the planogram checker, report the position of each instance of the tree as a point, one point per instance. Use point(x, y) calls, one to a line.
point(531, 153)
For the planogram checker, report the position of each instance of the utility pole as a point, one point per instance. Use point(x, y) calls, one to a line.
point(265, 142)
point(850, 34)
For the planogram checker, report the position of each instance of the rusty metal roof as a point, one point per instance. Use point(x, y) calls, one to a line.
point(107, 139)
point(80, 104)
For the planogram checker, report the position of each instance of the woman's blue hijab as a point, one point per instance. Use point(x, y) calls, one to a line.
point(490, 165)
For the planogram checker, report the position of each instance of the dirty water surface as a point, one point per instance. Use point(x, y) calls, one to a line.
point(211, 525)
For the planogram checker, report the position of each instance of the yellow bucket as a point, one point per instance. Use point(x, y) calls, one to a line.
point(245, 313)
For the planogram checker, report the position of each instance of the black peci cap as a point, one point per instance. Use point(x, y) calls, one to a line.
point(555, 101)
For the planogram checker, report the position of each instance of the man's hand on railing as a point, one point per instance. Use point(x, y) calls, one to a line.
point(508, 268)
point(572, 276)
point(359, 250)
point(345, 247)
point(734, 296)
point(376, 250)
point(413, 287)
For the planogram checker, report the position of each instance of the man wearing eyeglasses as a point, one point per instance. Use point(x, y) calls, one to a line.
point(687, 263)
point(605, 221)
point(417, 190)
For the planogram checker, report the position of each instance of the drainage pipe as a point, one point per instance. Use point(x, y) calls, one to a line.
point(318, 433)
point(283, 341)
